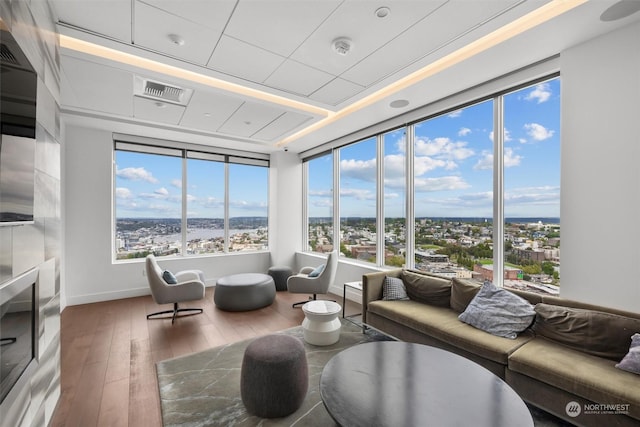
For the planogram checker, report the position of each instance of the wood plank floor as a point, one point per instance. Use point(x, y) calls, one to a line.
point(109, 351)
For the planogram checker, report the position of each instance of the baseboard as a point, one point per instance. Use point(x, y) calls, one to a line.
point(107, 296)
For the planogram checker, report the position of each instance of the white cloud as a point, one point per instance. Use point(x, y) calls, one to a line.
point(123, 193)
point(454, 114)
point(464, 131)
point(357, 193)
point(162, 191)
point(538, 132)
point(136, 174)
point(440, 183)
point(321, 193)
point(507, 135)
point(177, 183)
point(364, 170)
point(443, 148)
point(540, 93)
point(486, 159)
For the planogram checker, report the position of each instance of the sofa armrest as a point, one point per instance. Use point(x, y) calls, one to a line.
point(372, 288)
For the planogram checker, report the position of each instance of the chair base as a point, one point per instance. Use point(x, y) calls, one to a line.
point(7, 341)
point(174, 313)
point(311, 298)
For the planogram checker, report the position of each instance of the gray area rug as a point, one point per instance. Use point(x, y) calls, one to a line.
point(203, 389)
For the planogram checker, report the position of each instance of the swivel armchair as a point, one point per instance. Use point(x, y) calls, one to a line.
point(189, 287)
point(303, 284)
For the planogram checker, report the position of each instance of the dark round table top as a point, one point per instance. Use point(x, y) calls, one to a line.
point(396, 384)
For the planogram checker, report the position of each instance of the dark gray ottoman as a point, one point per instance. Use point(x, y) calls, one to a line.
point(274, 378)
point(243, 292)
point(280, 276)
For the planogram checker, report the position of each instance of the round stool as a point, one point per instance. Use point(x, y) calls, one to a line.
point(274, 377)
point(321, 325)
point(243, 292)
point(280, 276)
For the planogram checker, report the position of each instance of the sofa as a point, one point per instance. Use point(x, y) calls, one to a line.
point(564, 361)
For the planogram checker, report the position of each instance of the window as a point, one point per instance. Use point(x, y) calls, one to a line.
point(173, 202)
point(358, 200)
point(319, 173)
point(457, 198)
point(453, 202)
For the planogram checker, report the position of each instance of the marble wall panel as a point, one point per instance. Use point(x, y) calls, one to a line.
point(28, 246)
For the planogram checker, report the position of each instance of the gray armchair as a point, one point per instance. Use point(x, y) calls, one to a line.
point(303, 284)
point(190, 287)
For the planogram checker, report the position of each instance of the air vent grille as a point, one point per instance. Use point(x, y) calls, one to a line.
point(161, 91)
point(6, 55)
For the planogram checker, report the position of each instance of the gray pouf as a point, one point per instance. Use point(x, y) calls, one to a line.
point(280, 276)
point(274, 378)
point(243, 292)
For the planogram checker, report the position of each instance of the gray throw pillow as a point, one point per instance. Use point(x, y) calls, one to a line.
point(169, 277)
point(631, 362)
point(393, 289)
point(499, 312)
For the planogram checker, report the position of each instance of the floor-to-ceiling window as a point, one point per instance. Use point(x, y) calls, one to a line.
point(394, 145)
point(358, 234)
point(319, 203)
point(171, 201)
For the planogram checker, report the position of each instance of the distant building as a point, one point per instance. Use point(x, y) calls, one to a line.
point(486, 271)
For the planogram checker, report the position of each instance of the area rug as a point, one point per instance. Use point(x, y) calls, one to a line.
point(203, 389)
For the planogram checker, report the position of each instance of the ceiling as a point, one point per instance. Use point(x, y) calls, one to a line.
point(260, 75)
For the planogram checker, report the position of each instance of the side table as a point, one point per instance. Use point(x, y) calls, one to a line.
point(358, 287)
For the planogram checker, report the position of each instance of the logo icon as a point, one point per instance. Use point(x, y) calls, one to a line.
point(573, 409)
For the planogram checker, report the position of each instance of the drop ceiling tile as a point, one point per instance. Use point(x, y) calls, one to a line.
point(153, 28)
point(96, 87)
point(250, 118)
point(243, 60)
point(212, 14)
point(209, 110)
point(298, 78)
point(369, 35)
point(288, 122)
point(156, 111)
point(434, 32)
point(111, 18)
point(278, 26)
point(336, 91)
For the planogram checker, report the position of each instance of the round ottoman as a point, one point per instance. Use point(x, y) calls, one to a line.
point(280, 276)
point(243, 292)
point(274, 376)
point(321, 325)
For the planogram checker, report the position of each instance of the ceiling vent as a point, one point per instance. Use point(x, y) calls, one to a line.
point(6, 55)
point(161, 91)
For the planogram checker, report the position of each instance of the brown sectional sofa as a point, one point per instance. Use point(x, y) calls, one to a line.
point(548, 370)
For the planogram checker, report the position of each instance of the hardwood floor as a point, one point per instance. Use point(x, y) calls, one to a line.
point(109, 351)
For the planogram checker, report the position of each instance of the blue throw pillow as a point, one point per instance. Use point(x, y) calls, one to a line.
point(316, 272)
point(169, 277)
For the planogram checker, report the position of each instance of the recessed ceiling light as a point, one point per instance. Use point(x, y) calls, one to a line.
point(176, 39)
point(620, 10)
point(382, 12)
point(399, 103)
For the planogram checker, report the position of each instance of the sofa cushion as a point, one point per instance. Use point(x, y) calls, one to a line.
point(631, 362)
point(393, 289)
point(462, 292)
point(427, 288)
point(443, 324)
point(590, 331)
point(498, 312)
point(590, 377)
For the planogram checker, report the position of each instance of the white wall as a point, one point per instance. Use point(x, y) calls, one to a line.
point(90, 274)
point(601, 170)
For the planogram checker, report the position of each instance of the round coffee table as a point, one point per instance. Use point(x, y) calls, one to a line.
point(397, 384)
point(321, 325)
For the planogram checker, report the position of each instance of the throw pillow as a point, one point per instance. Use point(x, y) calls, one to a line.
point(631, 362)
point(393, 289)
point(590, 331)
point(499, 312)
point(169, 277)
point(427, 288)
point(462, 292)
point(316, 271)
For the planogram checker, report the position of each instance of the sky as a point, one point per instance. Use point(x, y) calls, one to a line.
point(453, 162)
point(150, 186)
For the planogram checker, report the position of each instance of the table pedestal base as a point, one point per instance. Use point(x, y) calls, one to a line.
point(321, 333)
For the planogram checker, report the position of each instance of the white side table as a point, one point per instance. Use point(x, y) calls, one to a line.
point(321, 325)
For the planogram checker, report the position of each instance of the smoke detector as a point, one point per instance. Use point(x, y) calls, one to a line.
point(341, 45)
point(159, 91)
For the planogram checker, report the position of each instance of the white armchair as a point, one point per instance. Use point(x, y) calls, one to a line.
point(190, 287)
point(303, 284)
